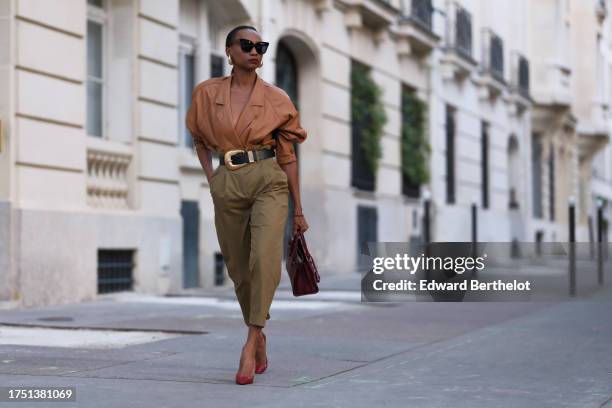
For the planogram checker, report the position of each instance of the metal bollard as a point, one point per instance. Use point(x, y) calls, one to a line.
point(427, 226)
point(474, 233)
point(600, 241)
point(426, 217)
point(572, 246)
point(474, 223)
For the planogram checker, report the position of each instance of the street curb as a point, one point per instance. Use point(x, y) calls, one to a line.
point(109, 328)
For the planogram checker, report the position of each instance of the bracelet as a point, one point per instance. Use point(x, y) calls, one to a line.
point(298, 215)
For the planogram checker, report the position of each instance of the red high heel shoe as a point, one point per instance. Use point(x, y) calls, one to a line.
point(244, 379)
point(260, 368)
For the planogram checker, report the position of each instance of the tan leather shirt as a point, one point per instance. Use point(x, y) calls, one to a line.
point(269, 107)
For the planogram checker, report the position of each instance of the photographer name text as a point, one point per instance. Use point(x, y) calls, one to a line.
point(472, 284)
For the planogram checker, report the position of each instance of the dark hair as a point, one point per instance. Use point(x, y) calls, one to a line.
point(231, 34)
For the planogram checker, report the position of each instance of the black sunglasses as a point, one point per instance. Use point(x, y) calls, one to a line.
point(247, 45)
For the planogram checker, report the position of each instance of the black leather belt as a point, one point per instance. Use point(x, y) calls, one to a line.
point(240, 157)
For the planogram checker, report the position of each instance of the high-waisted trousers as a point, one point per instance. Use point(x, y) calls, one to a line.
point(251, 207)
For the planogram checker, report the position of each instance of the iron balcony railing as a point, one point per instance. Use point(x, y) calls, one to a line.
point(523, 76)
point(463, 32)
point(493, 54)
point(419, 11)
point(459, 30)
point(520, 74)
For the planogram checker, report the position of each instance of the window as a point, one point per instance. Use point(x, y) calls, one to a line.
point(367, 223)
point(514, 171)
point(496, 56)
point(115, 270)
point(186, 84)
point(523, 76)
point(96, 72)
point(450, 154)
point(463, 32)
point(361, 176)
point(599, 72)
point(599, 165)
point(421, 11)
point(217, 66)
point(484, 143)
point(536, 174)
point(217, 62)
point(551, 181)
point(412, 124)
point(217, 53)
point(190, 214)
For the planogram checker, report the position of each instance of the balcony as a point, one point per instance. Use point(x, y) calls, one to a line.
point(551, 53)
point(420, 12)
point(322, 5)
point(492, 79)
point(555, 90)
point(458, 62)
point(593, 132)
point(375, 14)
point(108, 174)
point(229, 11)
point(415, 29)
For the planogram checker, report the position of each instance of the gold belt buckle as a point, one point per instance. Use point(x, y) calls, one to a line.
point(228, 159)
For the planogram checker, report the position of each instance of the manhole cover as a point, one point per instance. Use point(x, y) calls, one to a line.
point(56, 319)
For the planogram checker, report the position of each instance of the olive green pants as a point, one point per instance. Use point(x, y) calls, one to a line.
point(251, 206)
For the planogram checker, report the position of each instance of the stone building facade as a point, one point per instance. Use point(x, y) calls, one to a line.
point(101, 190)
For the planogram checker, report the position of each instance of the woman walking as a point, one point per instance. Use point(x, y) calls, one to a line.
point(249, 122)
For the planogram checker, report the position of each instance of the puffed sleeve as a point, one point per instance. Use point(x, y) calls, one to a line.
point(288, 132)
point(191, 120)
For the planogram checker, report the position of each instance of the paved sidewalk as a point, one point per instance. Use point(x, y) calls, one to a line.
point(326, 351)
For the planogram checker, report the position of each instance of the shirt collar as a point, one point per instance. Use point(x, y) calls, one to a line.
point(257, 97)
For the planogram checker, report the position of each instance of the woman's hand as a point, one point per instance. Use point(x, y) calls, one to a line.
point(299, 222)
point(205, 158)
point(294, 187)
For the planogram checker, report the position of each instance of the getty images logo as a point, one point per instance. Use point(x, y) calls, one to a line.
point(414, 264)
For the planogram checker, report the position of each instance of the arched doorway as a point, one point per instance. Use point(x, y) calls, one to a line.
point(287, 72)
point(287, 79)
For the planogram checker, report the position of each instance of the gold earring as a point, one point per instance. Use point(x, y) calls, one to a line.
point(229, 60)
point(261, 65)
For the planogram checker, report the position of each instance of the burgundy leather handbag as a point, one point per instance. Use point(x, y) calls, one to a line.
point(301, 267)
